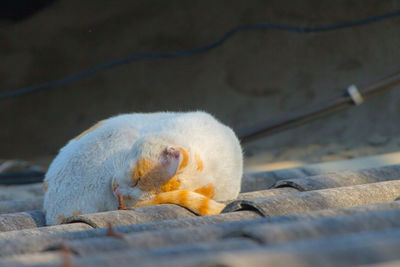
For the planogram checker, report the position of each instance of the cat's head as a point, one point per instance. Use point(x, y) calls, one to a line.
point(150, 164)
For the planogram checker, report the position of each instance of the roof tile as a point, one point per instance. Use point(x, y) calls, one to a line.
point(343, 218)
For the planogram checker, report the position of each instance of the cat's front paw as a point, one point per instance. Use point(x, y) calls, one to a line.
point(193, 201)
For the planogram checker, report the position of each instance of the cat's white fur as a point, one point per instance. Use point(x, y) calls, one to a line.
point(79, 179)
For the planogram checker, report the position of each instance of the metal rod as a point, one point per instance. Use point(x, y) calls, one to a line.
point(317, 111)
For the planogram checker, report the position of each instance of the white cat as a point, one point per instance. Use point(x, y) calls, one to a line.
point(145, 159)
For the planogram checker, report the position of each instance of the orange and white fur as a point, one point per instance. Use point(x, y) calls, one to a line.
point(189, 159)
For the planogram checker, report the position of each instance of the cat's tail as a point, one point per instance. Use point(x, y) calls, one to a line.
point(193, 201)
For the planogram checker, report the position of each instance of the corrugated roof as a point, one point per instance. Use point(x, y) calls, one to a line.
point(292, 217)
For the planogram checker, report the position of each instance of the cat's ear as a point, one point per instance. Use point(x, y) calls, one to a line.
point(170, 159)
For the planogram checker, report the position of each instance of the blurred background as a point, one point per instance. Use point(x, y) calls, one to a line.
point(254, 76)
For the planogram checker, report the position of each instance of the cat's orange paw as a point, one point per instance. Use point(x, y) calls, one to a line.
point(121, 205)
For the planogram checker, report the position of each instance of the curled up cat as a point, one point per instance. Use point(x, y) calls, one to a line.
point(142, 159)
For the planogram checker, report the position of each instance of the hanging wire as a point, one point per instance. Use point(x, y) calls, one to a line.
point(195, 51)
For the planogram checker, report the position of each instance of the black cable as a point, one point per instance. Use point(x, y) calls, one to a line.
point(195, 51)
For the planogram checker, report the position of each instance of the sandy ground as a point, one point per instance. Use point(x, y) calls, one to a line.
point(303, 155)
